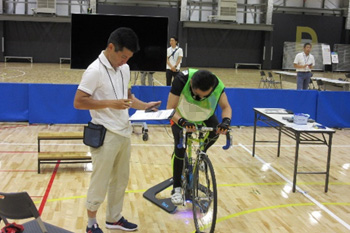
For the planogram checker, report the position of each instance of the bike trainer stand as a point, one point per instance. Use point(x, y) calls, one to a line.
point(165, 203)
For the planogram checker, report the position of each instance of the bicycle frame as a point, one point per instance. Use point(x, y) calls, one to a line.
point(201, 191)
point(187, 140)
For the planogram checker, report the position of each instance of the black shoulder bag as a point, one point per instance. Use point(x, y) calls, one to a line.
point(94, 135)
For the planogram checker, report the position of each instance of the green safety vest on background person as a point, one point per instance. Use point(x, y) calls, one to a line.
point(198, 111)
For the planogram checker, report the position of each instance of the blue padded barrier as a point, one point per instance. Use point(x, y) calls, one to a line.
point(13, 102)
point(53, 104)
point(333, 109)
point(244, 100)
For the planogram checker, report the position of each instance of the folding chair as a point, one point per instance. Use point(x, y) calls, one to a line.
point(21, 206)
point(311, 85)
point(320, 85)
point(272, 81)
point(263, 80)
point(347, 77)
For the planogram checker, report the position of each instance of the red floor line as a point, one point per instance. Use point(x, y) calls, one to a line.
point(11, 127)
point(43, 202)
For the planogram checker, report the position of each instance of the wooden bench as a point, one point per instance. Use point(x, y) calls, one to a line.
point(248, 64)
point(64, 157)
point(19, 57)
point(59, 136)
point(63, 59)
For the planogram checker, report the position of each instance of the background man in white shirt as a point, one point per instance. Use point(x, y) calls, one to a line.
point(303, 63)
point(173, 60)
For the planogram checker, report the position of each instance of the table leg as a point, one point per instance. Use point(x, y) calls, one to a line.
point(254, 134)
point(281, 80)
point(328, 161)
point(297, 139)
point(279, 141)
point(38, 145)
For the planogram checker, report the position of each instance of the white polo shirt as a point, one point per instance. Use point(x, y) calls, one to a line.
point(173, 59)
point(96, 81)
point(302, 59)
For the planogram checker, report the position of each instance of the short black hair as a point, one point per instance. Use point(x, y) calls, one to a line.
point(203, 80)
point(175, 38)
point(124, 37)
point(306, 44)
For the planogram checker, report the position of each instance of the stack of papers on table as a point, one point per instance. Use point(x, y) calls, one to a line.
point(276, 111)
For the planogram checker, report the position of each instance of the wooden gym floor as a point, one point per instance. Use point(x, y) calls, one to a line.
point(254, 193)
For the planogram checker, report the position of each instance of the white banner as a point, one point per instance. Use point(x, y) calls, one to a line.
point(326, 54)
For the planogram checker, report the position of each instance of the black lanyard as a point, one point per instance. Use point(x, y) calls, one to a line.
point(305, 60)
point(110, 79)
point(173, 53)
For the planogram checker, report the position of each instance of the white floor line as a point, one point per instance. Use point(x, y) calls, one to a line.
point(22, 73)
point(346, 225)
point(155, 80)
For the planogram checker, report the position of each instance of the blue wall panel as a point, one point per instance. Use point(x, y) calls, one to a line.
point(53, 104)
point(244, 100)
point(13, 102)
point(333, 109)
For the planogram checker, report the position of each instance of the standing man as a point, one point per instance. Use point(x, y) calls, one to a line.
point(303, 63)
point(195, 95)
point(143, 78)
point(104, 91)
point(173, 60)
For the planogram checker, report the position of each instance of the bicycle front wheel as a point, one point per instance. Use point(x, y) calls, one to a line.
point(204, 202)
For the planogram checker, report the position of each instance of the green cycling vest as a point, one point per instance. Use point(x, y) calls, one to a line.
point(198, 111)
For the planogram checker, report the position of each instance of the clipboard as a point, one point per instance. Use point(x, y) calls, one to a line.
point(141, 115)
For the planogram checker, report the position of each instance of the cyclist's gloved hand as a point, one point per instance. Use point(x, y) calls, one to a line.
point(224, 125)
point(184, 123)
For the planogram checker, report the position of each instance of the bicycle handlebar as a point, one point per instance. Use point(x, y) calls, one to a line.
point(228, 140)
point(182, 143)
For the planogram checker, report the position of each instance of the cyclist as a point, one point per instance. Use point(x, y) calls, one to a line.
point(195, 95)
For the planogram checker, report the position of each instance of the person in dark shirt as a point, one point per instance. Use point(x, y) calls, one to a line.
point(195, 95)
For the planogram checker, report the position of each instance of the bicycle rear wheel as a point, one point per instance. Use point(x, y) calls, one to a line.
point(204, 202)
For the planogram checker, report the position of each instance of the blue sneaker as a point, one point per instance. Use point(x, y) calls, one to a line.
point(94, 229)
point(122, 224)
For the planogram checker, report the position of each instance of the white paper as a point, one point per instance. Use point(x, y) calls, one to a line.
point(276, 111)
point(158, 115)
point(334, 57)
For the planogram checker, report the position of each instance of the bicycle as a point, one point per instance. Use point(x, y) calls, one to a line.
point(198, 178)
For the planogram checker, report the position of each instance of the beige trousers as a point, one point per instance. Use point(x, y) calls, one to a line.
point(110, 175)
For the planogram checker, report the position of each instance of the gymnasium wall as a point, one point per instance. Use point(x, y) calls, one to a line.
point(46, 42)
point(222, 47)
point(53, 103)
point(312, 28)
